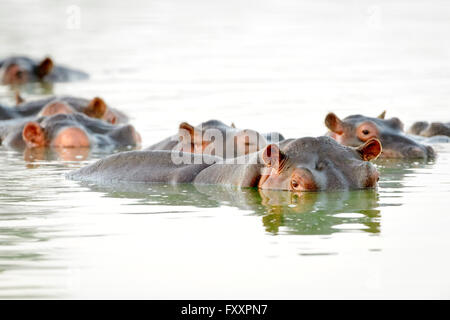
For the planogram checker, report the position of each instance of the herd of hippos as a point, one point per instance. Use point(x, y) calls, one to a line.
point(212, 152)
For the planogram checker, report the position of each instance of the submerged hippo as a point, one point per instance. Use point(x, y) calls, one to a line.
point(74, 130)
point(95, 108)
point(305, 164)
point(433, 129)
point(356, 129)
point(214, 137)
point(18, 70)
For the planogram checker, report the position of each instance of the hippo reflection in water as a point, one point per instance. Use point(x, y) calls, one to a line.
point(18, 70)
point(66, 131)
point(94, 108)
point(307, 213)
point(214, 137)
point(305, 164)
point(356, 129)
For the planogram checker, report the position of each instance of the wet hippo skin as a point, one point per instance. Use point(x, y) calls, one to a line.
point(66, 130)
point(216, 138)
point(305, 164)
point(356, 129)
point(95, 108)
point(18, 70)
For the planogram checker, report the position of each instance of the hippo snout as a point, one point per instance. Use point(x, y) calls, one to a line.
point(430, 152)
point(416, 152)
point(425, 152)
point(126, 135)
point(373, 176)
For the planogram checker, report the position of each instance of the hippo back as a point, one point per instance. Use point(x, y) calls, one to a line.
point(144, 167)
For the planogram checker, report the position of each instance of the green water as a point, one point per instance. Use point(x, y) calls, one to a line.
point(266, 65)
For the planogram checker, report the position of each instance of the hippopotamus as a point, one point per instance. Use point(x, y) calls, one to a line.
point(425, 129)
point(17, 70)
point(356, 129)
point(216, 138)
point(73, 130)
point(95, 108)
point(304, 164)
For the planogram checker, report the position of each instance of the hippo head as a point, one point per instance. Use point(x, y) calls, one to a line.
point(17, 71)
point(77, 131)
point(357, 129)
point(426, 129)
point(418, 127)
point(216, 138)
point(96, 108)
point(316, 164)
point(48, 133)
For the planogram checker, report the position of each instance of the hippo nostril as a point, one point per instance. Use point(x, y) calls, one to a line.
point(416, 152)
point(430, 152)
point(320, 166)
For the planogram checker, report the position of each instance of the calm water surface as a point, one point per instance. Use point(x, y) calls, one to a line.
point(266, 65)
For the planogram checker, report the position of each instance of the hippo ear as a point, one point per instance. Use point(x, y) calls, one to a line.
point(18, 98)
point(418, 127)
point(397, 123)
point(334, 123)
point(113, 119)
point(382, 115)
point(370, 150)
point(186, 131)
point(96, 108)
point(44, 68)
point(273, 157)
point(33, 135)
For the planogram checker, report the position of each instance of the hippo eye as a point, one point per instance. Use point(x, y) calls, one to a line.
point(320, 166)
point(295, 184)
point(366, 132)
point(19, 74)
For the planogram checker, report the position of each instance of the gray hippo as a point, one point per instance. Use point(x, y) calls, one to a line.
point(305, 164)
point(75, 130)
point(438, 130)
point(356, 129)
point(95, 108)
point(216, 138)
point(18, 70)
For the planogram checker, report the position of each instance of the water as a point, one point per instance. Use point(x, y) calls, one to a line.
point(266, 65)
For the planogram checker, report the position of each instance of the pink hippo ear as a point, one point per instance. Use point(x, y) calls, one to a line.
point(96, 108)
point(18, 98)
point(186, 132)
point(273, 157)
point(382, 115)
point(370, 150)
point(33, 135)
point(44, 68)
point(334, 123)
